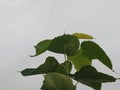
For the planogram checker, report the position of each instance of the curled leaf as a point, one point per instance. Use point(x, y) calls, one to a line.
point(82, 36)
point(41, 47)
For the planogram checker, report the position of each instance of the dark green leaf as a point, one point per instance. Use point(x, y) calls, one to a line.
point(96, 86)
point(29, 71)
point(68, 66)
point(64, 68)
point(66, 44)
point(42, 47)
point(97, 52)
point(79, 60)
point(57, 81)
point(91, 75)
point(61, 69)
point(49, 66)
point(86, 54)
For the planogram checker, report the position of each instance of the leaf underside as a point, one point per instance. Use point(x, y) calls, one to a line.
point(79, 60)
point(57, 81)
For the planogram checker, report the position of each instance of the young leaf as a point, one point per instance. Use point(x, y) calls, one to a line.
point(66, 44)
point(82, 36)
point(97, 52)
point(42, 47)
point(79, 60)
point(49, 66)
point(57, 81)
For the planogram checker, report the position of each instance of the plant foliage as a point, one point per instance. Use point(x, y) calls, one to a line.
point(58, 76)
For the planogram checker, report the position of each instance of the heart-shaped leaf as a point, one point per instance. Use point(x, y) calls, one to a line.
point(57, 81)
point(94, 50)
point(66, 44)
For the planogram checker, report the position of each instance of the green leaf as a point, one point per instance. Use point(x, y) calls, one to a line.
point(79, 60)
point(49, 66)
point(96, 86)
point(94, 50)
point(86, 54)
point(82, 36)
point(41, 47)
point(57, 81)
point(68, 66)
point(90, 74)
point(64, 68)
point(66, 44)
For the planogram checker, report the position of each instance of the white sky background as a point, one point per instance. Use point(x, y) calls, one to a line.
point(23, 23)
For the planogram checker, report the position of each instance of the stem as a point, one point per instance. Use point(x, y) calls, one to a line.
point(65, 54)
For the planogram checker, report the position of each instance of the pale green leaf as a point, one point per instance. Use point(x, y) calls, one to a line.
point(79, 60)
point(57, 81)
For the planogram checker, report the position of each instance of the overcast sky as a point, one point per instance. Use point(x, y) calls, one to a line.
point(23, 23)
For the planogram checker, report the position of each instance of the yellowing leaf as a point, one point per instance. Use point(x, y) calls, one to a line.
point(82, 36)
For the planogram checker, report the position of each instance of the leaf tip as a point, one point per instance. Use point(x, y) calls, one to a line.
point(32, 55)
